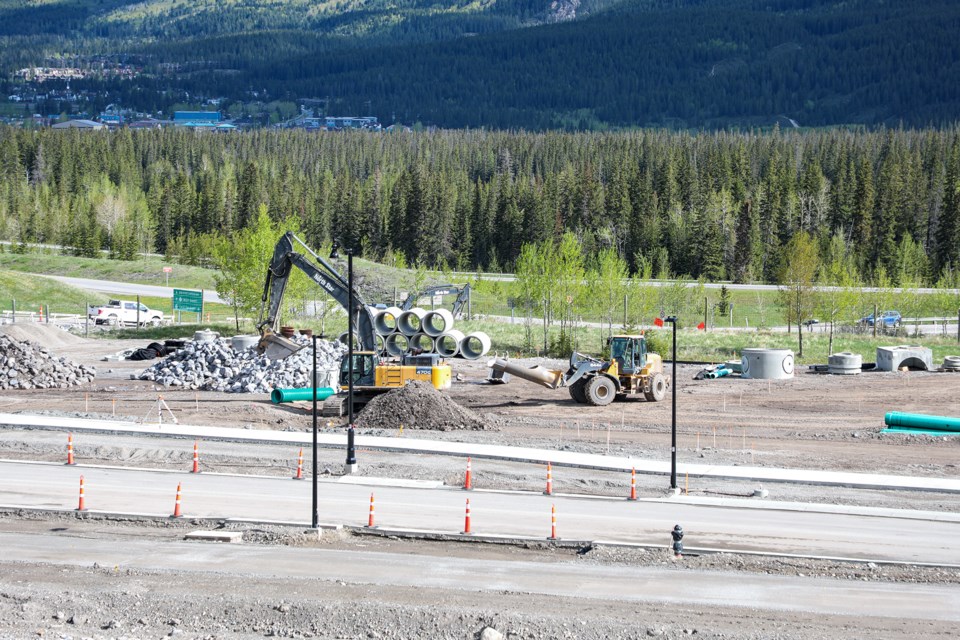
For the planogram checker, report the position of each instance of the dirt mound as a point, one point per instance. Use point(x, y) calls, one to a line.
point(45, 335)
point(418, 406)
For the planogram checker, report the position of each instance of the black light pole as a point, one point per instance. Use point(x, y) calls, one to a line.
point(351, 464)
point(673, 420)
point(315, 521)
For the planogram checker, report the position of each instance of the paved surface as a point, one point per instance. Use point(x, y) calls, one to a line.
point(511, 514)
point(522, 454)
point(628, 584)
point(123, 288)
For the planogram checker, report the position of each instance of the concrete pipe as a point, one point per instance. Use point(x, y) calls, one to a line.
point(409, 322)
point(344, 338)
point(242, 343)
point(396, 344)
point(385, 322)
point(435, 323)
point(448, 344)
point(844, 364)
point(422, 342)
point(474, 346)
point(951, 363)
point(767, 364)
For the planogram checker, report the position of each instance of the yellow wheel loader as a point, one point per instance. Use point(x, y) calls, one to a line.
point(631, 370)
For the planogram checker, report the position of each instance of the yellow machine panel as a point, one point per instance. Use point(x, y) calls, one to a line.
point(393, 376)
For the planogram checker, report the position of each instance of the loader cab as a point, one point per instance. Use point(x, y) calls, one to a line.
point(629, 352)
point(364, 368)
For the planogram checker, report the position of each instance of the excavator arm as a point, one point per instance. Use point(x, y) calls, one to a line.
point(463, 297)
point(285, 258)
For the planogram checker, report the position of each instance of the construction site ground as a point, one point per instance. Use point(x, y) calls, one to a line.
point(812, 421)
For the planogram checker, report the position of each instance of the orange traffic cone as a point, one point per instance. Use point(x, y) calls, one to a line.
point(81, 506)
point(466, 519)
point(467, 482)
point(176, 507)
point(549, 489)
point(633, 484)
point(370, 523)
point(553, 523)
point(70, 460)
point(196, 458)
point(299, 475)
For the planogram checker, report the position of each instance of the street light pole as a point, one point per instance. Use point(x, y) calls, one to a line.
point(315, 520)
point(351, 464)
point(673, 418)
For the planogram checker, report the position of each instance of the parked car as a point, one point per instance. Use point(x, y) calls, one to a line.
point(121, 312)
point(889, 319)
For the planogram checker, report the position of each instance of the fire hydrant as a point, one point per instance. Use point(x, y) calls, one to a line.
point(677, 534)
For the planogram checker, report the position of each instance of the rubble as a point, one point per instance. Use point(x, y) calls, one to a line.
point(29, 365)
point(216, 366)
point(419, 406)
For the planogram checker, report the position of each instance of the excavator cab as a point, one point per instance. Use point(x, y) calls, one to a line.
point(364, 369)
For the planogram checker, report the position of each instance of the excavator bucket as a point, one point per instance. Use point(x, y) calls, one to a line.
point(277, 347)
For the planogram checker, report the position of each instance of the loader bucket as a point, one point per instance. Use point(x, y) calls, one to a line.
point(277, 347)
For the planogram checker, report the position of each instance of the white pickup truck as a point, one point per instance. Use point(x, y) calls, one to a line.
point(123, 312)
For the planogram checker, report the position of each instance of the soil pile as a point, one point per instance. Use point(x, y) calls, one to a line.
point(30, 365)
point(45, 335)
point(419, 406)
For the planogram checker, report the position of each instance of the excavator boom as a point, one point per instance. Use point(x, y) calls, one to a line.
point(285, 258)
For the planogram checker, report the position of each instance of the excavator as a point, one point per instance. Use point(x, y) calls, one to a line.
point(371, 375)
point(631, 370)
point(463, 297)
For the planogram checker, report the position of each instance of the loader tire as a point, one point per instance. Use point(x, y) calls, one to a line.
point(578, 391)
point(600, 391)
point(658, 388)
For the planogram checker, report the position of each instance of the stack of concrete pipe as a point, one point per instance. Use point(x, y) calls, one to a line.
point(427, 332)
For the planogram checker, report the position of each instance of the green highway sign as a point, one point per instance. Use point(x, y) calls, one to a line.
point(185, 300)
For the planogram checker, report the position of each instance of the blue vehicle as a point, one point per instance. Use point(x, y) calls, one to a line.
point(889, 319)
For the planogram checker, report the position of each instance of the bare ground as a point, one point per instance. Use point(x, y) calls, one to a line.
point(812, 421)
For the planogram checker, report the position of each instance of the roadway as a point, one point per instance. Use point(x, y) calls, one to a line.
point(628, 584)
point(126, 288)
point(914, 537)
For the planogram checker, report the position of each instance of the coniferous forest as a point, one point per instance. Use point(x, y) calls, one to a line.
point(719, 205)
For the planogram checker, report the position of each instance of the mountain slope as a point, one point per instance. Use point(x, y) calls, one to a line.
point(707, 63)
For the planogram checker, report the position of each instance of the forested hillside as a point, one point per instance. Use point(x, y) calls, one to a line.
point(518, 63)
point(885, 205)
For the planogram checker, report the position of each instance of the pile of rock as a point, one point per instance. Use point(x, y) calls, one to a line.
point(215, 366)
point(418, 406)
point(29, 365)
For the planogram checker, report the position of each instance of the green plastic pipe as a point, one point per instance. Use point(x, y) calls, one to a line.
point(921, 421)
point(292, 395)
point(921, 432)
point(717, 373)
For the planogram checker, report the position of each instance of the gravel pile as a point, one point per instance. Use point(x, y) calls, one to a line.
point(418, 406)
point(216, 366)
point(29, 365)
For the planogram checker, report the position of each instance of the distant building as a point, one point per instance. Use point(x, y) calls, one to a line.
point(196, 119)
point(80, 124)
point(332, 123)
point(112, 120)
point(149, 123)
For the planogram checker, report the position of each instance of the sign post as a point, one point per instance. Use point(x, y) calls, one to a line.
point(186, 300)
point(166, 273)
